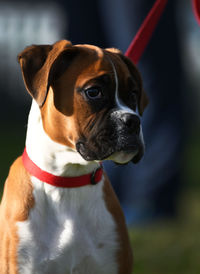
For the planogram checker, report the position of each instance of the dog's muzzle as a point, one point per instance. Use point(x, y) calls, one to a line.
point(118, 139)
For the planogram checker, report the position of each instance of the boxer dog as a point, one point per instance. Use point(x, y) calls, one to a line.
point(59, 214)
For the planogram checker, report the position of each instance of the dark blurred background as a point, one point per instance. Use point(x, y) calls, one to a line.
point(161, 246)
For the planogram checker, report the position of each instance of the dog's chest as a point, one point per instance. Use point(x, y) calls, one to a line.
point(68, 231)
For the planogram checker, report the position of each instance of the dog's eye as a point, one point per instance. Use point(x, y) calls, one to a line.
point(93, 93)
point(132, 100)
point(133, 96)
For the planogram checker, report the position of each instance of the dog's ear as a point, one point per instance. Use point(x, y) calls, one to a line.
point(143, 99)
point(39, 65)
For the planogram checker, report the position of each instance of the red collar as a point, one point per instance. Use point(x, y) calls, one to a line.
point(88, 179)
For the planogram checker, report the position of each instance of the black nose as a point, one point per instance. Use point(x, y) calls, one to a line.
point(131, 121)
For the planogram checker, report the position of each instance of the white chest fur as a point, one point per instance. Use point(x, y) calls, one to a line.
point(68, 231)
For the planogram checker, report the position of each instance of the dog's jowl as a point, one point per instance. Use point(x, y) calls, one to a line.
point(59, 214)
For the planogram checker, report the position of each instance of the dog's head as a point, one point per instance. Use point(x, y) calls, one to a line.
point(88, 99)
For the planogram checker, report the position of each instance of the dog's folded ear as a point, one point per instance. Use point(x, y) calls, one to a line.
point(39, 65)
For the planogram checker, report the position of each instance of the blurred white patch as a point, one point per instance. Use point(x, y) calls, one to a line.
point(23, 24)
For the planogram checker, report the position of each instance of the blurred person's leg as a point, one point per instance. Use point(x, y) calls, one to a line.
point(149, 189)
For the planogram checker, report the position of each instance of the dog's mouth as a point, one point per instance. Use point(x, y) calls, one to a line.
point(130, 153)
point(91, 155)
point(119, 155)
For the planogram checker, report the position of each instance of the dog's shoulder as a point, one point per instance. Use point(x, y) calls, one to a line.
point(16, 202)
point(17, 197)
point(125, 255)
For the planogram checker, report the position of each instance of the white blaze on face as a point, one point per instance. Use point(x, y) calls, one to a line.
point(121, 107)
point(121, 157)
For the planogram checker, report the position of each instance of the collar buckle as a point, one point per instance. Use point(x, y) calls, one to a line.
point(96, 175)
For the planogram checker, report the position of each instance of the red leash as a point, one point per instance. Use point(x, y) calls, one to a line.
point(141, 40)
point(196, 9)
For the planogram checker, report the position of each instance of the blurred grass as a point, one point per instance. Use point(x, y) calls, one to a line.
point(168, 247)
point(173, 247)
point(191, 161)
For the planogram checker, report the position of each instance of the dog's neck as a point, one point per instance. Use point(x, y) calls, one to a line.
point(50, 156)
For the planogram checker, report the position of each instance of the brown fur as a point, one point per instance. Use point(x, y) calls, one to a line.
point(74, 113)
point(15, 206)
point(124, 256)
point(65, 116)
